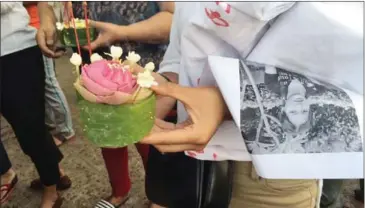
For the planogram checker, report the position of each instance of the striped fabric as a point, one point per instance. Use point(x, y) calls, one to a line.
point(58, 114)
point(104, 204)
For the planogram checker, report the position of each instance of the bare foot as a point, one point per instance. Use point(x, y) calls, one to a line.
point(62, 172)
point(49, 197)
point(57, 141)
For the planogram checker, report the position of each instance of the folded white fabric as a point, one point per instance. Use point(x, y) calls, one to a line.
point(305, 81)
point(320, 40)
point(324, 40)
point(240, 24)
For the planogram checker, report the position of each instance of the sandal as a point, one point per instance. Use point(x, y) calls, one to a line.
point(8, 189)
point(64, 183)
point(106, 204)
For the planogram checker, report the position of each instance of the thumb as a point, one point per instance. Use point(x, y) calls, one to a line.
point(95, 44)
point(98, 25)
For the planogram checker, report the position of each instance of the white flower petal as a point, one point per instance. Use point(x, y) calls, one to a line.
point(133, 57)
point(95, 57)
point(76, 59)
point(59, 26)
point(116, 52)
point(150, 66)
point(145, 79)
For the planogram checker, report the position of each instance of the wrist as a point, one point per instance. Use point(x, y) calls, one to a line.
point(123, 33)
point(46, 14)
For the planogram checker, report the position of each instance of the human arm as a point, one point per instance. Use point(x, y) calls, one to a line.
point(205, 106)
point(155, 29)
point(46, 14)
point(46, 34)
point(169, 68)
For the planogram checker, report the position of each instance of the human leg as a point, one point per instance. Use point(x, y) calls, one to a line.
point(7, 175)
point(116, 163)
point(143, 150)
point(250, 190)
point(22, 104)
point(58, 113)
point(171, 179)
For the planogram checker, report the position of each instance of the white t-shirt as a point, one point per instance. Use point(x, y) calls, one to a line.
point(193, 39)
point(16, 34)
point(301, 94)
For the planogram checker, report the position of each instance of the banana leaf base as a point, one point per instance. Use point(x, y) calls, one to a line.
point(68, 38)
point(111, 126)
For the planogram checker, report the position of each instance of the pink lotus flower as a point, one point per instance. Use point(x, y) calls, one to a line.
point(109, 81)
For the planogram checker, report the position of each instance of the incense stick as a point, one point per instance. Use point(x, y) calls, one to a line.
point(87, 27)
point(136, 95)
point(74, 26)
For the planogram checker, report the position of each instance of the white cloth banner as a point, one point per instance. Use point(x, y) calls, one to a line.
point(296, 98)
point(301, 103)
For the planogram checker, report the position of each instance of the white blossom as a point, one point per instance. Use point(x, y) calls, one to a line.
point(76, 59)
point(150, 66)
point(133, 57)
point(59, 26)
point(95, 57)
point(145, 79)
point(116, 52)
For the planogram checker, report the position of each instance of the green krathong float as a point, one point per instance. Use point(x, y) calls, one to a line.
point(73, 31)
point(116, 106)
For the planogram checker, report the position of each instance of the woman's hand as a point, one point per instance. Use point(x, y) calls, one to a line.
point(206, 109)
point(154, 30)
point(46, 35)
point(46, 38)
point(109, 33)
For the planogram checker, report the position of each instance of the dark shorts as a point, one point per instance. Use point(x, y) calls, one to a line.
point(171, 178)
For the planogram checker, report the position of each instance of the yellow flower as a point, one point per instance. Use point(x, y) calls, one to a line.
point(79, 23)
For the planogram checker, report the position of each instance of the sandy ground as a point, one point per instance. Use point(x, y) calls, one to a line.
point(83, 163)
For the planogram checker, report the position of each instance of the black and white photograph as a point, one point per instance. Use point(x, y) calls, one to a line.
point(283, 112)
